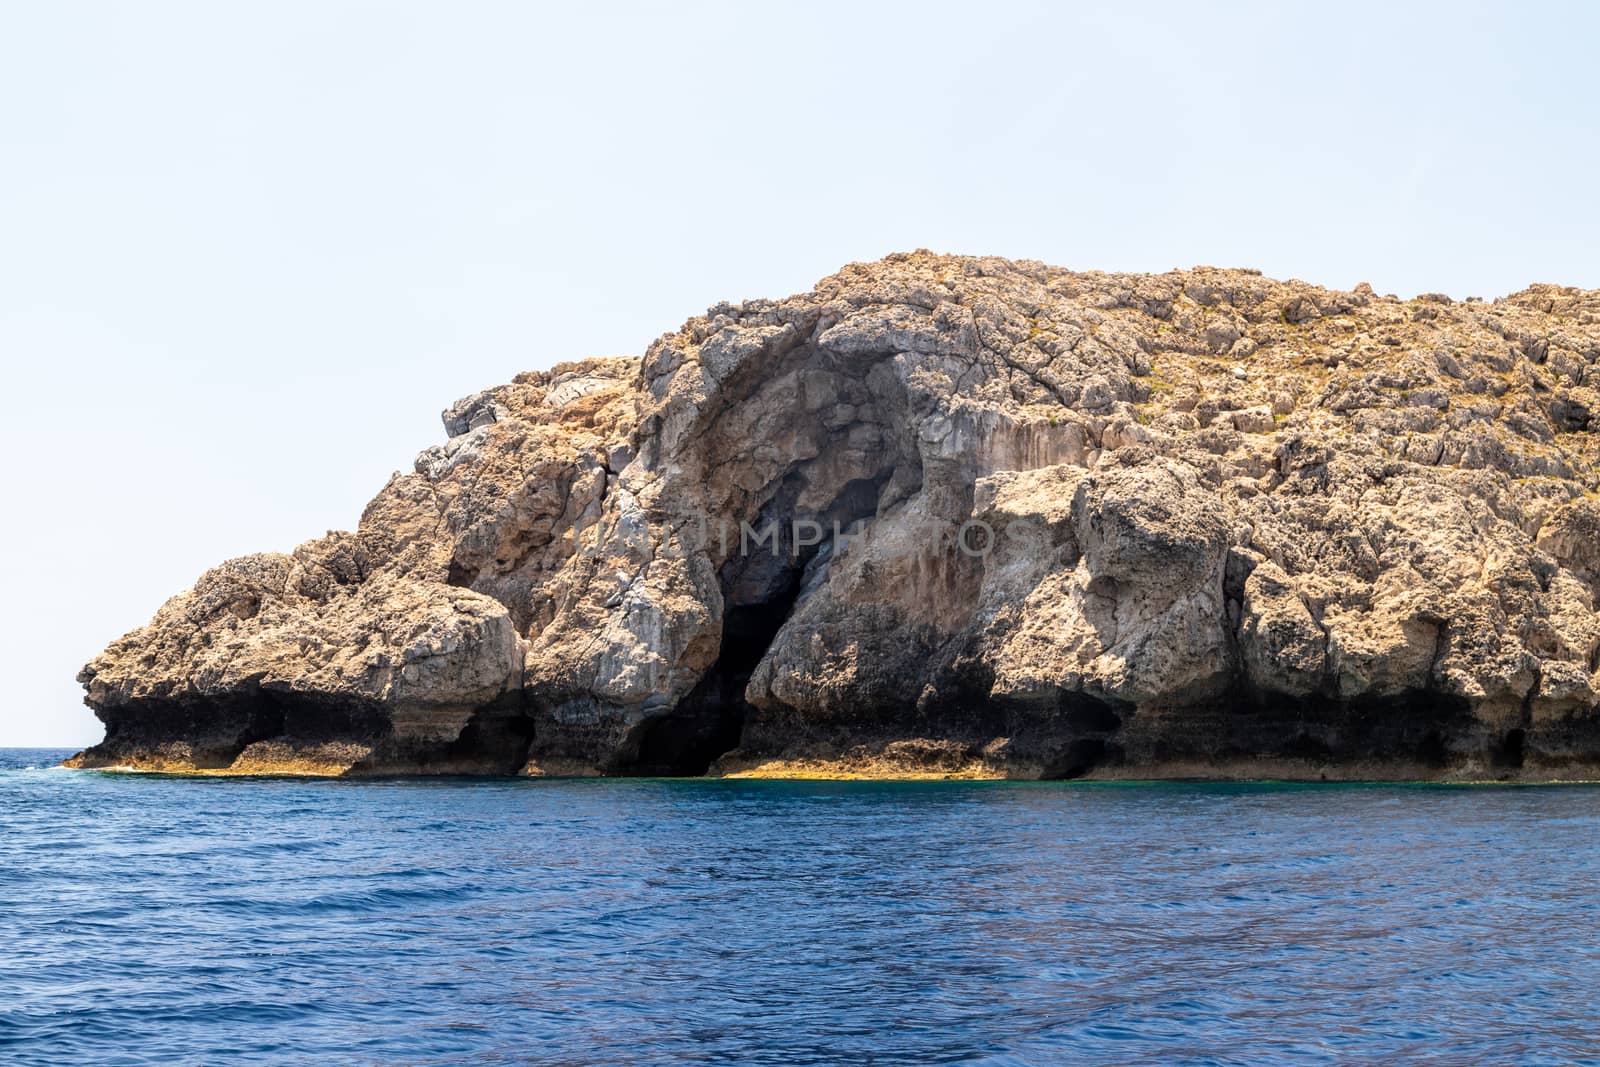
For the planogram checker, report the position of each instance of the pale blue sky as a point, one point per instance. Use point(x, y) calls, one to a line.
point(249, 250)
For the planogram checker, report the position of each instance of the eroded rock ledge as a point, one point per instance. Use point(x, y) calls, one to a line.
point(1201, 523)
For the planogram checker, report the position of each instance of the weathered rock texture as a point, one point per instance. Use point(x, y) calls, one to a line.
point(1200, 523)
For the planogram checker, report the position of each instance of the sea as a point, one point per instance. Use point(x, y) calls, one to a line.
point(147, 919)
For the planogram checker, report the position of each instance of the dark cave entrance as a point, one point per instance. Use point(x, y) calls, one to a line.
point(1508, 755)
point(1094, 722)
point(761, 583)
point(1077, 759)
point(710, 719)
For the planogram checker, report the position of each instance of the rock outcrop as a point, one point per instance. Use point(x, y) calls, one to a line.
point(948, 516)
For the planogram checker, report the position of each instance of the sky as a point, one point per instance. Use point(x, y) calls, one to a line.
point(248, 251)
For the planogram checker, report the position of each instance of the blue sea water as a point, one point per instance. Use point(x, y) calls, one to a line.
point(152, 920)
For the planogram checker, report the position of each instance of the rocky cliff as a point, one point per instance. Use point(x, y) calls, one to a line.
point(948, 516)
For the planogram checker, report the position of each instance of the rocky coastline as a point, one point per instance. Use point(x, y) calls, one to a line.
point(948, 517)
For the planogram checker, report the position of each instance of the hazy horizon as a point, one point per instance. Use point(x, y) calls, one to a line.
point(250, 252)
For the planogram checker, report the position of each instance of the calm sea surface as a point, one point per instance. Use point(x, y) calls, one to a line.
point(148, 920)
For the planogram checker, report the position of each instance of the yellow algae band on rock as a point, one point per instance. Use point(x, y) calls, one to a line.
point(947, 517)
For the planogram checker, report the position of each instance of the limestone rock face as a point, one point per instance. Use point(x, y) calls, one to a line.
point(948, 516)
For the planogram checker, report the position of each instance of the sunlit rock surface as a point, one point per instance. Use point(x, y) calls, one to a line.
point(1201, 523)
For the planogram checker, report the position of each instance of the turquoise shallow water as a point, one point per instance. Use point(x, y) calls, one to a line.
point(159, 920)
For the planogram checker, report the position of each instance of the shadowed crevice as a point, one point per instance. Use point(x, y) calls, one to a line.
point(709, 721)
point(760, 588)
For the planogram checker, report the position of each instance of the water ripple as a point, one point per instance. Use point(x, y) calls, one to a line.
point(152, 920)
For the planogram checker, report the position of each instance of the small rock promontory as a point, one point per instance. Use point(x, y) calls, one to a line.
point(948, 516)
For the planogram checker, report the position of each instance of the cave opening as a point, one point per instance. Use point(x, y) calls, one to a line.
point(1080, 757)
point(709, 721)
point(1508, 755)
point(761, 584)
